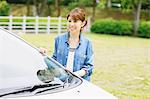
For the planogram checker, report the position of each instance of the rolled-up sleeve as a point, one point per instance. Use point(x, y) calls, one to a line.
point(88, 65)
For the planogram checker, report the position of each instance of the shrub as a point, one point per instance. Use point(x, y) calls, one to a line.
point(109, 26)
point(144, 30)
point(4, 8)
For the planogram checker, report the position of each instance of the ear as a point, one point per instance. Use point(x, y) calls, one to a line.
point(84, 23)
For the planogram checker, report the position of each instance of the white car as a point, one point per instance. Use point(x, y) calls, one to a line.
point(26, 74)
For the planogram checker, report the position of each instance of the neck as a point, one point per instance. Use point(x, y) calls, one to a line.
point(74, 40)
point(74, 35)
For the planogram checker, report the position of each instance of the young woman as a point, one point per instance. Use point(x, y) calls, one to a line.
point(72, 49)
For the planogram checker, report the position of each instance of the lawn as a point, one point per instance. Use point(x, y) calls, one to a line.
point(122, 64)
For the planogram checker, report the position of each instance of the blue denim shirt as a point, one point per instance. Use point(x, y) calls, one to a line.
point(83, 57)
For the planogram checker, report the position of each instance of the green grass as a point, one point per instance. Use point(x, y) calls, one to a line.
point(122, 64)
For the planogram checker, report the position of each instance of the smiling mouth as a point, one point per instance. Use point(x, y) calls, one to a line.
point(72, 28)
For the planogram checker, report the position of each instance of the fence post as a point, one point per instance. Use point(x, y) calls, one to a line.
point(10, 22)
point(59, 25)
point(36, 25)
point(24, 24)
point(48, 25)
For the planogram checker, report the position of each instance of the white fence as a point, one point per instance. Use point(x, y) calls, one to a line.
point(36, 24)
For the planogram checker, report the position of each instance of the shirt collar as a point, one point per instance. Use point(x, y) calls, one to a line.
point(68, 35)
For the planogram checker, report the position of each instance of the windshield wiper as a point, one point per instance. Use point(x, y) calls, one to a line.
point(48, 89)
point(31, 89)
point(67, 82)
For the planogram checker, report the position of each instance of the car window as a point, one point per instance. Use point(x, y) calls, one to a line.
point(24, 71)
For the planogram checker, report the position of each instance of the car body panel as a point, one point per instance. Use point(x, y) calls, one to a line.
point(85, 90)
point(19, 63)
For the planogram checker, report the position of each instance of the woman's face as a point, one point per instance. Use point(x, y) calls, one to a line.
point(74, 26)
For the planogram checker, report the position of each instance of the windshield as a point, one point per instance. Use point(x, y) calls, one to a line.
point(24, 71)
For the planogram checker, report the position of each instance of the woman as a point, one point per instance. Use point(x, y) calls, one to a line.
point(72, 49)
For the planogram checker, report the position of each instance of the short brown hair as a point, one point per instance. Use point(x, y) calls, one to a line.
point(77, 14)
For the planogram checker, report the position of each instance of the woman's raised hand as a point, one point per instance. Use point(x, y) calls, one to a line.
point(43, 51)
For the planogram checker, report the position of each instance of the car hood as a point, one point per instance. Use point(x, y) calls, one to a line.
point(85, 90)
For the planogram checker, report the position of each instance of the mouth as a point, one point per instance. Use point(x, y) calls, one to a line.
point(72, 28)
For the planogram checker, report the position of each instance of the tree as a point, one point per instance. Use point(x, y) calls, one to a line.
point(41, 7)
point(28, 7)
point(57, 5)
point(135, 5)
point(93, 14)
point(4, 8)
point(108, 3)
point(49, 8)
point(67, 2)
point(136, 13)
point(85, 3)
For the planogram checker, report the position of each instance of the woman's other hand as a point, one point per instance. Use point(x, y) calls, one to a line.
point(43, 51)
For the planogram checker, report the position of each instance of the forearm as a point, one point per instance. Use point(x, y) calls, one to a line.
point(80, 73)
